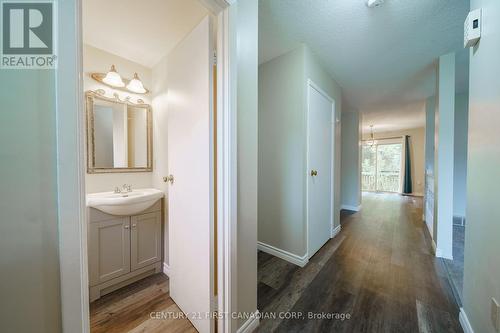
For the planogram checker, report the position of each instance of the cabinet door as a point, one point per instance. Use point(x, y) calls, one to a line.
point(145, 239)
point(109, 249)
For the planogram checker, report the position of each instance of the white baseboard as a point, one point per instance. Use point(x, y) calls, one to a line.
point(351, 208)
point(336, 230)
point(166, 269)
point(464, 322)
point(251, 324)
point(285, 255)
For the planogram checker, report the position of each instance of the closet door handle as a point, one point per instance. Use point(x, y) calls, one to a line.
point(314, 173)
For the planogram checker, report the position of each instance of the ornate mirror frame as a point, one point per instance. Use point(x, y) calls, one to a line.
point(90, 97)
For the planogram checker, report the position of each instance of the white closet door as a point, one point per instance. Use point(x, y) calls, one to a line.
point(190, 197)
point(320, 171)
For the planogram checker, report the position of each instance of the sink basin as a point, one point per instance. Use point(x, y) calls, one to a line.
point(124, 204)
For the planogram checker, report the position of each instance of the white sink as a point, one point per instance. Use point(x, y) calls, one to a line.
point(124, 204)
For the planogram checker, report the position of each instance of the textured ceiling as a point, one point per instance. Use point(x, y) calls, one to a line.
point(140, 31)
point(393, 119)
point(382, 57)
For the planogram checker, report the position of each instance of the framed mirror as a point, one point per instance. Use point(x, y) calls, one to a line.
point(119, 134)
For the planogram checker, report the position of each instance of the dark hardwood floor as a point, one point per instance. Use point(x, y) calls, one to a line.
point(377, 275)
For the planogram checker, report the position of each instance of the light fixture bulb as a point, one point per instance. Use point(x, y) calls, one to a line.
point(135, 85)
point(113, 78)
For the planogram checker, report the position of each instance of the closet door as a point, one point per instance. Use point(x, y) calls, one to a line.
point(320, 121)
point(190, 159)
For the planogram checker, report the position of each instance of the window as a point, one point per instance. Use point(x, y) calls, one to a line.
point(381, 167)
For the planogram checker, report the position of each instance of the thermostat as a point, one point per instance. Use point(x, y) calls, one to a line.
point(472, 28)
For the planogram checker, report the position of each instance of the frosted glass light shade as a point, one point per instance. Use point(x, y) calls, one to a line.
point(113, 78)
point(135, 85)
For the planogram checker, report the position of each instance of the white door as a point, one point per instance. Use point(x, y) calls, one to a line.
point(320, 172)
point(190, 196)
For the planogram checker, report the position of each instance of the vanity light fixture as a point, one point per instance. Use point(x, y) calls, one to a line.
point(113, 79)
point(135, 85)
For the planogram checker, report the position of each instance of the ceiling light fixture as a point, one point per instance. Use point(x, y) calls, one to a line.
point(113, 78)
point(374, 3)
point(135, 85)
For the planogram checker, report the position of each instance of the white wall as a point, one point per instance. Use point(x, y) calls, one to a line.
point(247, 117)
point(443, 168)
point(95, 60)
point(282, 146)
point(281, 152)
point(417, 154)
point(482, 245)
point(29, 241)
point(460, 162)
point(430, 110)
point(351, 159)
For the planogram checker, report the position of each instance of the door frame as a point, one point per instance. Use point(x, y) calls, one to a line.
point(313, 85)
point(70, 125)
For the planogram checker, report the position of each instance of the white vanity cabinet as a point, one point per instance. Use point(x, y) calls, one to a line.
point(123, 249)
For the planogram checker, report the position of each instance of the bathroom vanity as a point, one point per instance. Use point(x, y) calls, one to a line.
point(125, 226)
point(123, 248)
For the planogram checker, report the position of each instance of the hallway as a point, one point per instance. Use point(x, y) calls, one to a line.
point(379, 271)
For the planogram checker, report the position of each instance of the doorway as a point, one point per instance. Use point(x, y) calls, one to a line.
point(74, 270)
point(381, 167)
point(320, 187)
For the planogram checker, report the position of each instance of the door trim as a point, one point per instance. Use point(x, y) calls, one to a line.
point(313, 85)
point(72, 211)
point(227, 155)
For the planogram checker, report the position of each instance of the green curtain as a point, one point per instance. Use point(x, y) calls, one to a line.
point(407, 188)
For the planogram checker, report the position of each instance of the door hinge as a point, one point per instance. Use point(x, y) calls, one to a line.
point(215, 303)
point(214, 58)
